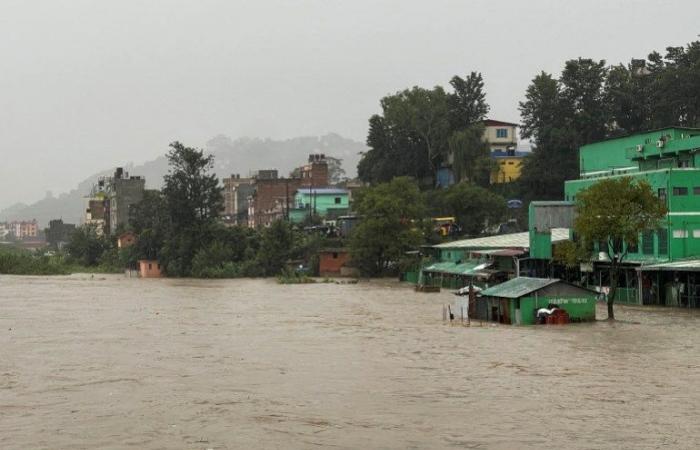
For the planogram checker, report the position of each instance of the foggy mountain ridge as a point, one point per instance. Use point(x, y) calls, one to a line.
point(240, 156)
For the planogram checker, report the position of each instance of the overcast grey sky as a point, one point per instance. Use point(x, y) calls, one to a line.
point(86, 84)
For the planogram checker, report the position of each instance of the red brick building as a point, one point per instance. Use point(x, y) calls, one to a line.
point(332, 260)
point(273, 197)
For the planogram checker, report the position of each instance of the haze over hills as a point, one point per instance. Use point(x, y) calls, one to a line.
point(242, 156)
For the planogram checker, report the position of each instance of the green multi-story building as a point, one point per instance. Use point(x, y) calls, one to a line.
point(661, 269)
point(329, 203)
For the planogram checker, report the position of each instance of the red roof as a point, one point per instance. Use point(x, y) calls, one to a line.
point(491, 122)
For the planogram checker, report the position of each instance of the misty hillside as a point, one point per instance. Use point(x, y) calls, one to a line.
point(242, 156)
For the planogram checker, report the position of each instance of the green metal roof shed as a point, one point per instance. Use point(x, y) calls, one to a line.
point(516, 301)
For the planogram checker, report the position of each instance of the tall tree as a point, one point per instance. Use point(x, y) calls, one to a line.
point(388, 227)
point(616, 211)
point(409, 138)
point(471, 155)
point(467, 103)
point(473, 207)
point(193, 201)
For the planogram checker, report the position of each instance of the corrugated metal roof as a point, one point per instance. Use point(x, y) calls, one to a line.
point(500, 252)
point(512, 240)
point(688, 265)
point(310, 191)
point(518, 287)
point(465, 268)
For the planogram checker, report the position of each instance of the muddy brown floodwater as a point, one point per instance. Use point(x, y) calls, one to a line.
point(111, 362)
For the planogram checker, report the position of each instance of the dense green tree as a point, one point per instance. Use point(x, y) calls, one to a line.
point(193, 201)
point(559, 116)
point(390, 224)
point(86, 245)
point(616, 211)
point(276, 247)
point(467, 104)
point(149, 220)
point(471, 155)
point(474, 207)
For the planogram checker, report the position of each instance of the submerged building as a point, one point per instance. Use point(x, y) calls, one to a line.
point(664, 267)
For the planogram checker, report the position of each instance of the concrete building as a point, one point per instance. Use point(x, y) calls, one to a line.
point(328, 203)
point(22, 229)
point(124, 192)
point(237, 191)
point(150, 268)
point(97, 212)
point(502, 138)
point(332, 261)
point(664, 267)
point(58, 234)
point(315, 173)
point(111, 200)
point(272, 198)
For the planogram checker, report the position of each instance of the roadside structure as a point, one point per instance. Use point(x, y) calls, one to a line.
point(517, 301)
point(150, 268)
point(484, 261)
point(333, 262)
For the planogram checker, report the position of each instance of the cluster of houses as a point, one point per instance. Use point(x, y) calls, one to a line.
point(266, 196)
point(662, 268)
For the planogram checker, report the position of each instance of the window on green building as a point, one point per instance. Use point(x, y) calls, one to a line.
point(337, 200)
point(662, 234)
point(633, 248)
point(680, 191)
point(696, 190)
point(662, 194)
point(648, 243)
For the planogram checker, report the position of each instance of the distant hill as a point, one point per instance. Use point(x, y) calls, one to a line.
point(242, 156)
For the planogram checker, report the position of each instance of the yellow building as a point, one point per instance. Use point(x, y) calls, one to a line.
point(509, 166)
point(503, 139)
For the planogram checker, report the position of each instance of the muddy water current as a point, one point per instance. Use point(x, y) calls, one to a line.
point(110, 362)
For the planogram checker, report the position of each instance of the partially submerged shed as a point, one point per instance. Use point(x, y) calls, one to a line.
point(516, 301)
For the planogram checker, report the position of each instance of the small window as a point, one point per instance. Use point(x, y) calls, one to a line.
point(150, 266)
point(680, 191)
point(648, 243)
point(502, 132)
point(662, 193)
point(696, 234)
point(335, 255)
point(510, 163)
point(680, 234)
point(662, 234)
point(696, 190)
point(337, 200)
point(633, 248)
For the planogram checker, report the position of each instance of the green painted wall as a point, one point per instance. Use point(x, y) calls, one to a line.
point(681, 229)
point(579, 307)
point(623, 152)
point(322, 202)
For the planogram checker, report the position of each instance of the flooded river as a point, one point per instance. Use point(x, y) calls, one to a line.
point(110, 362)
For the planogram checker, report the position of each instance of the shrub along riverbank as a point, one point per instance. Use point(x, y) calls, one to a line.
point(14, 261)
